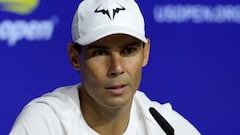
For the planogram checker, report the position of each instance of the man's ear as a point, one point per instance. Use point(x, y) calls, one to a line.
point(146, 53)
point(74, 56)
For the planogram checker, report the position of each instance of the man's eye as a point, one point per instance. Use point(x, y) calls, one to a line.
point(99, 52)
point(129, 51)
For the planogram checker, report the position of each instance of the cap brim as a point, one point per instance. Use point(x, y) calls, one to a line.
point(109, 30)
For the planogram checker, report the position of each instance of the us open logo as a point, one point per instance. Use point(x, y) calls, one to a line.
point(13, 31)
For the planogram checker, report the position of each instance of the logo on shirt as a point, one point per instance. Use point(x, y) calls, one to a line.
point(22, 7)
point(110, 12)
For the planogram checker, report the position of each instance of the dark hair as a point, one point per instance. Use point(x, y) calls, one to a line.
point(77, 47)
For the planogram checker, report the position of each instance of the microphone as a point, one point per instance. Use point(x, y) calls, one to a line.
point(167, 128)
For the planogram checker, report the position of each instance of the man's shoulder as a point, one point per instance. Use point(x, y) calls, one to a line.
point(177, 121)
point(142, 99)
point(62, 97)
point(47, 114)
point(58, 101)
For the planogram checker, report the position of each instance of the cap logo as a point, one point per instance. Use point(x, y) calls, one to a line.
point(110, 12)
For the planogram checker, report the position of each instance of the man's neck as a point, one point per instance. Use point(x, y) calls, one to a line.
point(104, 120)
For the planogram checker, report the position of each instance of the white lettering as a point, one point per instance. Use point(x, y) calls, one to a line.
point(34, 30)
point(197, 13)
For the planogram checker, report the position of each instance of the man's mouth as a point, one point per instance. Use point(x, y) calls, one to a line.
point(116, 89)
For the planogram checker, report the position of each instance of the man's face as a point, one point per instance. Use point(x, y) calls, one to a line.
point(111, 70)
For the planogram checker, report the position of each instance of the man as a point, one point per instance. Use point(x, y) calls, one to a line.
point(109, 49)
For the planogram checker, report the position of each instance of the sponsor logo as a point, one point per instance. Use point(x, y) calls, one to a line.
point(19, 6)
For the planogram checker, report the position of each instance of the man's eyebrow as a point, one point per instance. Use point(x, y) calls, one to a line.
point(96, 46)
point(99, 46)
point(134, 43)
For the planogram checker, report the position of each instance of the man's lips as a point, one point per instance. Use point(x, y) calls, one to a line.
point(116, 86)
point(116, 89)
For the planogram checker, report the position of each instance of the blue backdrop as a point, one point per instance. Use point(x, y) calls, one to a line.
point(194, 62)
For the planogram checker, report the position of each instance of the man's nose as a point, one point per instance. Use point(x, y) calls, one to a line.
point(116, 66)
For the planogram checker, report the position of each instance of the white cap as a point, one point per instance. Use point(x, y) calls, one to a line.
point(95, 19)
